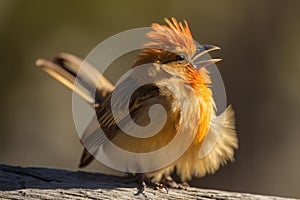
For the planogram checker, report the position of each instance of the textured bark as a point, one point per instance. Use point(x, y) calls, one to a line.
point(44, 183)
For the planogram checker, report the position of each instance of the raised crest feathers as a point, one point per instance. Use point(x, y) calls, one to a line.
point(175, 37)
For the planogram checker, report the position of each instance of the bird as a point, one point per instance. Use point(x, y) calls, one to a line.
point(180, 83)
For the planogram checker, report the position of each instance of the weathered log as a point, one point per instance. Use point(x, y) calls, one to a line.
point(45, 183)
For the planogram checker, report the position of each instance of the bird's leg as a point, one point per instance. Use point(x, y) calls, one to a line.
point(168, 181)
point(130, 178)
point(140, 179)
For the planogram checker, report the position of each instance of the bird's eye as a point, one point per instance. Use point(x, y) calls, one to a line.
point(179, 57)
point(199, 49)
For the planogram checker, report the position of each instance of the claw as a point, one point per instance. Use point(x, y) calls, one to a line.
point(160, 186)
point(144, 182)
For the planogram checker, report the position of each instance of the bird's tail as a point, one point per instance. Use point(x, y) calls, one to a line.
point(84, 79)
point(66, 67)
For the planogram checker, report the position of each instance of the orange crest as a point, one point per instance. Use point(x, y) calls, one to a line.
point(176, 37)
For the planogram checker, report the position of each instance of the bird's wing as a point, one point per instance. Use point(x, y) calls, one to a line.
point(108, 122)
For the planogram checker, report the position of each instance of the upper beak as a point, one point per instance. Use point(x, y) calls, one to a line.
point(205, 49)
point(210, 47)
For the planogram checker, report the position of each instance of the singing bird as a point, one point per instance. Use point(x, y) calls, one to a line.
point(180, 83)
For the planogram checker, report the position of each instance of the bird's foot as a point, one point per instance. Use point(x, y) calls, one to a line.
point(143, 182)
point(169, 182)
point(157, 186)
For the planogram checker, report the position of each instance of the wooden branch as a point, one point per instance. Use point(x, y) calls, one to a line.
point(44, 183)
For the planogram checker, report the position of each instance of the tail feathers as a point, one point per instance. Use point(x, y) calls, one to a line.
point(222, 145)
point(86, 158)
point(82, 78)
point(66, 68)
point(216, 150)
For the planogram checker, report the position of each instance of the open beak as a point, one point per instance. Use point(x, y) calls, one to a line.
point(204, 49)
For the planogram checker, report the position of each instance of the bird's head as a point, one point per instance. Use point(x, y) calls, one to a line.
point(174, 43)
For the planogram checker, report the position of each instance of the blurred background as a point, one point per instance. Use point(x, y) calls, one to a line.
point(260, 48)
